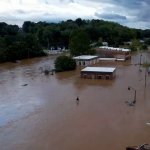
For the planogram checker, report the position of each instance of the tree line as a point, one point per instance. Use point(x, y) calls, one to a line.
point(76, 35)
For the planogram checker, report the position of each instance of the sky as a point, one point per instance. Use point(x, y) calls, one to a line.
point(131, 13)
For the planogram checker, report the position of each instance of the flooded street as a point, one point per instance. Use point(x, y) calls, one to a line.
point(39, 112)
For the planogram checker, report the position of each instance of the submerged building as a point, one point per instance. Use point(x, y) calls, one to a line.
point(118, 53)
point(86, 60)
point(98, 73)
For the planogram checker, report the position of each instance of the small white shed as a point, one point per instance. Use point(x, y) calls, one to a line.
point(86, 60)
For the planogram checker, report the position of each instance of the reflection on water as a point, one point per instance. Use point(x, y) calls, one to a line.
point(41, 112)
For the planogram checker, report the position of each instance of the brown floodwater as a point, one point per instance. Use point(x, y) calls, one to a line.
point(39, 112)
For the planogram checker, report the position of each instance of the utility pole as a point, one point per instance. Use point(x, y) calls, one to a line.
point(146, 72)
point(140, 63)
point(140, 59)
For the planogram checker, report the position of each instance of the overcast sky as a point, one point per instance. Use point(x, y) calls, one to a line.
point(132, 13)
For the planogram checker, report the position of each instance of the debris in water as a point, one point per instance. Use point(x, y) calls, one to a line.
point(130, 103)
point(47, 70)
point(24, 84)
point(141, 147)
point(77, 100)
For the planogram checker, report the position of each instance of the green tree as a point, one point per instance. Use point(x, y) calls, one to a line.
point(28, 26)
point(147, 41)
point(135, 45)
point(144, 47)
point(76, 34)
point(65, 37)
point(100, 41)
point(93, 32)
point(64, 63)
point(80, 22)
point(79, 43)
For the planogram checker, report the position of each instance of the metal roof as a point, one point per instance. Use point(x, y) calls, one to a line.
point(85, 57)
point(113, 59)
point(99, 69)
point(115, 49)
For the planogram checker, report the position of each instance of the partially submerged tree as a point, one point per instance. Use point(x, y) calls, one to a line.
point(135, 45)
point(64, 63)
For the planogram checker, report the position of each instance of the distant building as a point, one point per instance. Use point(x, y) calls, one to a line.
point(111, 59)
point(105, 43)
point(93, 44)
point(128, 43)
point(142, 41)
point(107, 59)
point(118, 53)
point(98, 73)
point(52, 52)
point(86, 60)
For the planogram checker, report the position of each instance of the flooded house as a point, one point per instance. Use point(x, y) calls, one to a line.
point(118, 53)
point(86, 60)
point(98, 73)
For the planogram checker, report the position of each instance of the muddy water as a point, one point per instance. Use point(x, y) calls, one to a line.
point(39, 112)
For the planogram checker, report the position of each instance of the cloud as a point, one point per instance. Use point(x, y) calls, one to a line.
point(133, 13)
point(112, 17)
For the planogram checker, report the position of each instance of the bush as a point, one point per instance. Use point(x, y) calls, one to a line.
point(64, 63)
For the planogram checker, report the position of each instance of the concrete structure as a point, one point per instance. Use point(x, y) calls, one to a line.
point(86, 60)
point(118, 53)
point(105, 43)
point(128, 43)
point(98, 73)
point(107, 59)
point(111, 59)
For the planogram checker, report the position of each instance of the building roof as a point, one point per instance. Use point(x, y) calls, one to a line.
point(85, 57)
point(99, 69)
point(111, 59)
point(115, 49)
point(120, 59)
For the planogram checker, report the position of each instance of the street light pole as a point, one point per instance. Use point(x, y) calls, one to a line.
point(140, 59)
point(134, 97)
point(145, 76)
point(140, 63)
point(146, 67)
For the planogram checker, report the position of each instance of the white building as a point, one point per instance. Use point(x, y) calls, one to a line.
point(86, 60)
point(98, 73)
point(105, 43)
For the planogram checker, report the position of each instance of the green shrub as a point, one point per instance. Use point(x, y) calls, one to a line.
point(64, 63)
